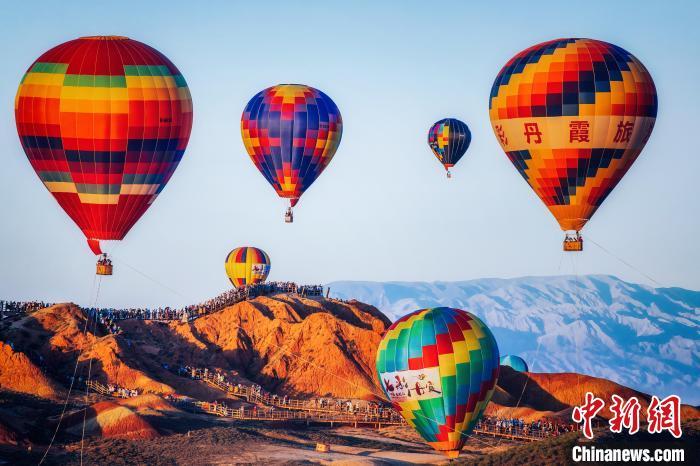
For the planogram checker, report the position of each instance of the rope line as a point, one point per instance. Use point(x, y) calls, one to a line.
point(148, 277)
point(94, 328)
point(576, 348)
point(537, 352)
point(641, 272)
point(72, 382)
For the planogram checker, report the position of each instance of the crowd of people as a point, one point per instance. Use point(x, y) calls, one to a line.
point(310, 290)
point(104, 260)
point(8, 308)
point(577, 238)
point(255, 393)
point(106, 319)
point(541, 428)
point(109, 317)
point(111, 389)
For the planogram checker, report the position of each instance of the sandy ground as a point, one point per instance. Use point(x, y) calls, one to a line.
point(341, 455)
point(202, 440)
point(364, 447)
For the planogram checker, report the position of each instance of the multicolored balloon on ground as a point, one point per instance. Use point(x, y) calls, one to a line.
point(247, 265)
point(449, 140)
point(104, 121)
point(439, 368)
point(573, 115)
point(514, 362)
point(291, 133)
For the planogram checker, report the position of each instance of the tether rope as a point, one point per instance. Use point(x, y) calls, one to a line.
point(72, 382)
point(87, 380)
point(641, 272)
point(576, 348)
point(536, 357)
point(148, 277)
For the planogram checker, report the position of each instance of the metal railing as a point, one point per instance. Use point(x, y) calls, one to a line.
point(281, 412)
point(249, 394)
point(271, 414)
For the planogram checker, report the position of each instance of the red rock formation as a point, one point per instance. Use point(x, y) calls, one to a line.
point(110, 419)
point(532, 395)
point(291, 345)
point(18, 373)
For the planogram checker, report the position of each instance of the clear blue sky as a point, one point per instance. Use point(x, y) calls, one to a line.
point(383, 210)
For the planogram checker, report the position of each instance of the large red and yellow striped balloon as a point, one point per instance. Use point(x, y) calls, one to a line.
point(247, 265)
point(573, 115)
point(104, 122)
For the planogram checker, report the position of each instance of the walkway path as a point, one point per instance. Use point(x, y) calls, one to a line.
point(295, 410)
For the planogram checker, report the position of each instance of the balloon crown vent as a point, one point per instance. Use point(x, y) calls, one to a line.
point(105, 38)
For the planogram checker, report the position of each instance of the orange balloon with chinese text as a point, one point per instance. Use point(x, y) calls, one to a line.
point(573, 115)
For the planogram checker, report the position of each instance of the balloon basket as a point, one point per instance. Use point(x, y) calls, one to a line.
point(449, 174)
point(104, 269)
point(573, 243)
point(104, 265)
point(289, 216)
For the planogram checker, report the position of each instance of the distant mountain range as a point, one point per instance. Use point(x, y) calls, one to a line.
point(642, 337)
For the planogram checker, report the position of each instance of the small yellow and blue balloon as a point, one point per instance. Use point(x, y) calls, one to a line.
point(247, 266)
point(439, 369)
point(514, 362)
point(449, 140)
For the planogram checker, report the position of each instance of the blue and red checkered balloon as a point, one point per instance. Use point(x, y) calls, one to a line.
point(291, 133)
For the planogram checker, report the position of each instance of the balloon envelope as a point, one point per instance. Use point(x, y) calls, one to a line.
point(247, 265)
point(514, 362)
point(449, 140)
point(439, 368)
point(104, 122)
point(291, 133)
point(573, 115)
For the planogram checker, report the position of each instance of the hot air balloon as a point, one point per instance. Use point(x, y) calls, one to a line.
point(514, 362)
point(104, 121)
point(573, 115)
point(439, 368)
point(449, 140)
point(247, 265)
point(291, 133)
